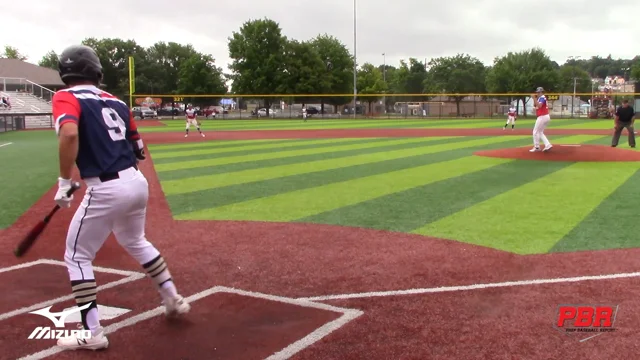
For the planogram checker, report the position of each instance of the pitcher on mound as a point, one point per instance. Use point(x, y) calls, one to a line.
point(542, 111)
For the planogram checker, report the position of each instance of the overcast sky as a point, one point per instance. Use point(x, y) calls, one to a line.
point(399, 28)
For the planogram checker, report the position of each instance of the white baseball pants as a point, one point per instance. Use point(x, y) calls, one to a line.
point(117, 206)
point(511, 120)
point(538, 131)
point(193, 122)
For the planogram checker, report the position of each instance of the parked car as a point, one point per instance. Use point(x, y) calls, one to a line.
point(148, 113)
point(137, 113)
point(263, 112)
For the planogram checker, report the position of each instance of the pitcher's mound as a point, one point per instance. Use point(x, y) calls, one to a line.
point(597, 153)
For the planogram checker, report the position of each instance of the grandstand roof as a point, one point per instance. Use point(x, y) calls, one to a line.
point(14, 68)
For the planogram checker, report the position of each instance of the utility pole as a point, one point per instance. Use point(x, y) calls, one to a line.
point(574, 83)
point(384, 78)
point(355, 61)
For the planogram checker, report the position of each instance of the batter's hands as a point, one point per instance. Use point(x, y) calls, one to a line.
point(61, 199)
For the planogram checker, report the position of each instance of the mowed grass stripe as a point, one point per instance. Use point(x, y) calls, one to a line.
point(613, 223)
point(411, 209)
point(259, 149)
point(161, 148)
point(242, 166)
point(211, 198)
point(414, 146)
point(302, 203)
point(330, 145)
point(534, 217)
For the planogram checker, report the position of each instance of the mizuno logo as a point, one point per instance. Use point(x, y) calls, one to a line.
point(58, 318)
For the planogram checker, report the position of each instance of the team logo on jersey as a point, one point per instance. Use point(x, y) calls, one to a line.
point(58, 320)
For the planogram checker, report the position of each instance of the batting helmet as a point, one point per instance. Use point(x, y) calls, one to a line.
point(539, 89)
point(79, 62)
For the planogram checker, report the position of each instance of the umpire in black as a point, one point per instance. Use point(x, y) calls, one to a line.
point(625, 117)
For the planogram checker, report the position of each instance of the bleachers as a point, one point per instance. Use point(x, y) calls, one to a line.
point(26, 103)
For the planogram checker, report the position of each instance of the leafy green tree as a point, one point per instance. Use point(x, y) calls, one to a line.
point(198, 75)
point(460, 74)
point(338, 76)
point(635, 71)
point(370, 82)
point(567, 74)
point(257, 52)
point(409, 79)
point(522, 72)
point(160, 65)
point(304, 71)
point(12, 53)
point(49, 60)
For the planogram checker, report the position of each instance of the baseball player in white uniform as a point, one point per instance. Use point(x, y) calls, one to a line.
point(511, 118)
point(542, 111)
point(192, 120)
point(97, 133)
point(304, 113)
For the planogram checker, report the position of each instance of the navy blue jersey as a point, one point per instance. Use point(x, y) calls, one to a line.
point(105, 129)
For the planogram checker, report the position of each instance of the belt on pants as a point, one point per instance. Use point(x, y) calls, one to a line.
point(112, 176)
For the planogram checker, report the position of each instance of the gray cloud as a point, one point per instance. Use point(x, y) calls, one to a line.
point(401, 28)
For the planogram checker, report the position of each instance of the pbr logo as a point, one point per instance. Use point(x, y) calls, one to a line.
point(585, 322)
point(45, 332)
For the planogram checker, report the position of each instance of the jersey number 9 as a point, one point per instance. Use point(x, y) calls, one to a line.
point(115, 124)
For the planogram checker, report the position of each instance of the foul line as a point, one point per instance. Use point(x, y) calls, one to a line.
point(130, 276)
point(286, 353)
point(1, 145)
point(470, 287)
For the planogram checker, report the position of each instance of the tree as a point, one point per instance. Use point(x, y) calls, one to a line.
point(409, 79)
point(199, 75)
point(304, 71)
point(257, 52)
point(50, 60)
point(370, 82)
point(635, 71)
point(522, 72)
point(460, 74)
point(338, 78)
point(567, 73)
point(12, 53)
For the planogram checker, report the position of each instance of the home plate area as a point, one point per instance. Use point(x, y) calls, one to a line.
point(224, 323)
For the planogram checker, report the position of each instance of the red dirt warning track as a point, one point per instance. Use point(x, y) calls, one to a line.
point(587, 153)
point(168, 137)
point(295, 261)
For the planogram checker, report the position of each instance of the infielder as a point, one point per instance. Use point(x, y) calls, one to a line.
point(511, 118)
point(192, 120)
point(542, 111)
point(96, 131)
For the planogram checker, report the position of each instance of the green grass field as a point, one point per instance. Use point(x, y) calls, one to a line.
point(432, 186)
point(178, 125)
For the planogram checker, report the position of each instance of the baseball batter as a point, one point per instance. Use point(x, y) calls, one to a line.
point(96, 132)
point(192, 120)
point(511, 118)
point(542, 112)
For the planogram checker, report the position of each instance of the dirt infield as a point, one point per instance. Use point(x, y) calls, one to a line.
point(162, 137)
point(309, 291)
point(568, 152)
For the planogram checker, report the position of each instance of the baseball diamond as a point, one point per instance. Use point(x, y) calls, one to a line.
point(338, 230)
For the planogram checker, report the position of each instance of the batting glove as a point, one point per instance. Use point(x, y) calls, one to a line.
point(61, 198)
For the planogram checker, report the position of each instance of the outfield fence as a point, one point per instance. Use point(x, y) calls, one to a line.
point(384, 106)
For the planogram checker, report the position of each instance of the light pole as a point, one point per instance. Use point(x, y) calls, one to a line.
point(574, 82)
point(355, 60)
point(384, 78)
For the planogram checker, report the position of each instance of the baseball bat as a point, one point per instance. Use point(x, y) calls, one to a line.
point(28, 241)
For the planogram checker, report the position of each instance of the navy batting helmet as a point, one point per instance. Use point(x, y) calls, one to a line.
point(79, 63)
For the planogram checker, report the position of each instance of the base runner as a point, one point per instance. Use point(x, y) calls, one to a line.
point(192, 120)
point(511, 118)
